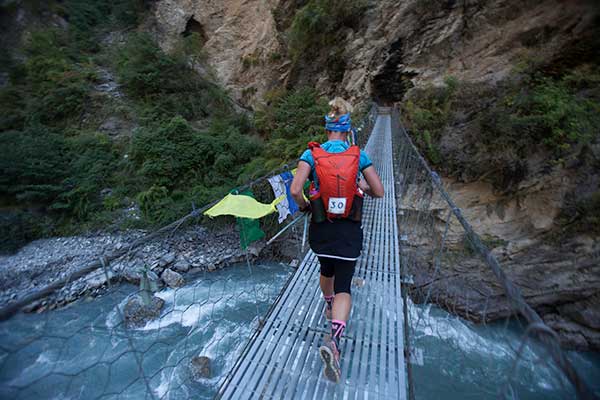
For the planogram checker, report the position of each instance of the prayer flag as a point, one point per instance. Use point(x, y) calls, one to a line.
point(243, 206)
point(281, 187)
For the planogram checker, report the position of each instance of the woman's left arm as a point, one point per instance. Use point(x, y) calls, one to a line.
point(373, 187)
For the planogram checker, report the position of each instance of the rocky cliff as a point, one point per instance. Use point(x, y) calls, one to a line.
point(395, 46)
point(240, 39)
point(400, 45)
point(558, 276)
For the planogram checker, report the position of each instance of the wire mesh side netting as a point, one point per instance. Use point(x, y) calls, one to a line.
point(466, 338)
point(120, 325)
point(113, 346)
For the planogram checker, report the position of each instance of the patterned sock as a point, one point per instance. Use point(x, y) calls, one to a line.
point(329, 301)
point(337, 331)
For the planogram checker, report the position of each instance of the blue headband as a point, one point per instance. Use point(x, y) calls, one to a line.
point(339, 124)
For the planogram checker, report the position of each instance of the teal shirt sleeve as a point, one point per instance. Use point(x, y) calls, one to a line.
point(364, 161)
point(307, 157)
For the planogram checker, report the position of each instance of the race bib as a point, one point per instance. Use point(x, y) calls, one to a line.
point(337, 205)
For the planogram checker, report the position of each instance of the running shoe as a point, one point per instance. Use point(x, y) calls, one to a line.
point(331, 358)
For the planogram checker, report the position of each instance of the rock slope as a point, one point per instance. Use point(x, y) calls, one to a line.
point(398, 43)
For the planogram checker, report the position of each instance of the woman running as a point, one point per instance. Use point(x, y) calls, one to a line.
point(335, 233)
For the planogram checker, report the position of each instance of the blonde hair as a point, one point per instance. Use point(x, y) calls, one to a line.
point(339, 107)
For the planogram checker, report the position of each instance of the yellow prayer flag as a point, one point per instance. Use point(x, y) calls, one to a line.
point(242, 206)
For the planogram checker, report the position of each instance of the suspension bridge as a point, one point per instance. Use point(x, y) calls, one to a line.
point(403, 233)
point(282, 360)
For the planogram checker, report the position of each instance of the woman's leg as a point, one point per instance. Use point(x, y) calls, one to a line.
point(326, 282)
point(342, 306)
point(344, 270)
point(330, 351)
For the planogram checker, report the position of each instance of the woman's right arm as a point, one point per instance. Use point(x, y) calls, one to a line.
point(298, 184)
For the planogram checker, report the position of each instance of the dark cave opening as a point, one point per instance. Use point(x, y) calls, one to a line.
point(392, 82)
point(193, 26)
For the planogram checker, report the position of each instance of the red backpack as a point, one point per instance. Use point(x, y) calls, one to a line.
point(337, 173)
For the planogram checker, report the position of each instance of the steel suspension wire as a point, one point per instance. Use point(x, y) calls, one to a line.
point(545, 334)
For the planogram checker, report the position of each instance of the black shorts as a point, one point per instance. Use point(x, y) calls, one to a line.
point(338, 237)
point(341, 269)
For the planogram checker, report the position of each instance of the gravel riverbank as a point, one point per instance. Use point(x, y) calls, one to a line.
point(188, 251)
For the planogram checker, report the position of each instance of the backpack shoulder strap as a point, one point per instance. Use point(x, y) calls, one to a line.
point(312, 145)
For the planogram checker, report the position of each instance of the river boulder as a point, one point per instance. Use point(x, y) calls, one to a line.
point(172, 278)
point(182, 266)
point(200, 367)
point(136, 313)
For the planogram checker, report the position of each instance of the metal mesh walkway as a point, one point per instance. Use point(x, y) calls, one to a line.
point(282, 361)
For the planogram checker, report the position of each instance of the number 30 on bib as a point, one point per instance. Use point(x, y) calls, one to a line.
point(337, 205)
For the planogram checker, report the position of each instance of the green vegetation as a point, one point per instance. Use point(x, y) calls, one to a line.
point(582, 217)
point(48, 88)
point(275, 57)
point(531, 112)
point(317, 24)
point(36, 165)
point(288, 123)
point(543, 112)
point(92, 159)
point(164, 85)
point(493, 131)
point(428, 112)
point(250, 61)
point(62, 175)
point(588, 214)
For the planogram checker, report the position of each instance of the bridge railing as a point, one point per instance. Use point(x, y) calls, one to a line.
point(99, 330)
point(469, 330)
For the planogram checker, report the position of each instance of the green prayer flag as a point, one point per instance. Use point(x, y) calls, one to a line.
point(249, 231)
point(249, 228)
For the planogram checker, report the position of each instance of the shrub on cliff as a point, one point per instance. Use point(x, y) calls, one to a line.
point(177, 164)
point(18, 227)
point(35, 167)
point(541, 113)
point(288, 123)
point(88, 18)
point(164, 84)
point(552, 114)
point(428, 111)
point(49, 87)
point(174, 154)
point(92, 161)
point(317, 23)
point(588, 213)
point(46, 171)
point(289, 114)
point(529, 112)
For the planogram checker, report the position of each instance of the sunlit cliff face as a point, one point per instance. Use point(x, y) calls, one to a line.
point(396, 45)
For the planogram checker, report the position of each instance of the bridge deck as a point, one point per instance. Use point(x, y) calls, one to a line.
point(282, 361)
